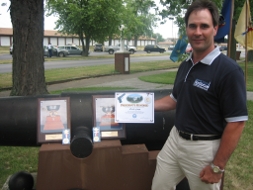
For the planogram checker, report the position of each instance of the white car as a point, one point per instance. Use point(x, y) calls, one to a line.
point(112, 49)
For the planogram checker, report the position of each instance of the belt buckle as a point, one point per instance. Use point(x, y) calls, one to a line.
point(191, 137)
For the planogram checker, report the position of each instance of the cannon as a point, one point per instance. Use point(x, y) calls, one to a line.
point(18, 119)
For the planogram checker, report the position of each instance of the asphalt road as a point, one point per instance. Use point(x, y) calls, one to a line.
point(9, 56)
point(7, 68)
point(5, 56)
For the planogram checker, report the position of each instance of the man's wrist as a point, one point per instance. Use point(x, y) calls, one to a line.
point(217, 169)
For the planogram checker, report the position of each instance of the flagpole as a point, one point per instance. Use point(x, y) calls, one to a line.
point(230, 30)
point(246, 44)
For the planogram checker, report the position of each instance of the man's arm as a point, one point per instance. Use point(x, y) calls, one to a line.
point(165, 104)
point(229, 141)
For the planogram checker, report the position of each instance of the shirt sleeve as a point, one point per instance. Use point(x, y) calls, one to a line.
point(233, 97)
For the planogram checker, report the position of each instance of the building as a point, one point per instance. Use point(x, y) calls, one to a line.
point(56, 38)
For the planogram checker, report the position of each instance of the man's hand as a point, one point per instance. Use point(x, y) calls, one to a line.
point(208, 176)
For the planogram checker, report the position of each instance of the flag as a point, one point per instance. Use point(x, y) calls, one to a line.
point(179, 48)
point(224, 22)
point(244, 27)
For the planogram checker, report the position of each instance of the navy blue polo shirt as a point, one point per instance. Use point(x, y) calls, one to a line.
point(209, 94)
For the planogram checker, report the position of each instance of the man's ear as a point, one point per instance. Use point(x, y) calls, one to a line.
point(215, 29)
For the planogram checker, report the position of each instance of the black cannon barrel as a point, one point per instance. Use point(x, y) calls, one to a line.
point(18, 119)
point(81, 144)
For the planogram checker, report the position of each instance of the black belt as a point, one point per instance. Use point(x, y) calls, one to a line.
point(193, 137)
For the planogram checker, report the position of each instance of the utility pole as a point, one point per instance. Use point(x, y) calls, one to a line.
point(172, 19)
point(121, 38)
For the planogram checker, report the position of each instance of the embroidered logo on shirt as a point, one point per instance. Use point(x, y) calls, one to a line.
point(202, 84)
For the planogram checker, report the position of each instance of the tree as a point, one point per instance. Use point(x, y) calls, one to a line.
point(159, 38)
point(138, 20)
point(89, 19)
point(177, 10)
point(27, 17)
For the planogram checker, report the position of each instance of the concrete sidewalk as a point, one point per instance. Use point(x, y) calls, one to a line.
point(119, 80)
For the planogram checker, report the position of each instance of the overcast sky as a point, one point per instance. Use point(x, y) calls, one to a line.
point(5, 22)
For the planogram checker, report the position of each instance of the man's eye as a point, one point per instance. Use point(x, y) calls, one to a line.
point(192, 26)
point(204, 26)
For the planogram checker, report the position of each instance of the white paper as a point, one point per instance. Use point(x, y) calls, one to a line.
point(134, 107)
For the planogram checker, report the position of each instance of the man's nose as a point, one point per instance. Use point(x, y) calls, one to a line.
point(198, 31)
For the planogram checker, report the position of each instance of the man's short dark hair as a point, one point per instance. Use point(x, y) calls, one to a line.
point(200, 5)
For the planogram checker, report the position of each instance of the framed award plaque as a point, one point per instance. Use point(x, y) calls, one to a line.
point(53, 119)
point(104, 117)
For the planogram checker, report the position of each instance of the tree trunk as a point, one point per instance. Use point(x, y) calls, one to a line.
point(82, 42)
point(232, 44)
point(28, 77)
point(87, 41)
point(85, 46)
point(135, 41)
point(110, 40)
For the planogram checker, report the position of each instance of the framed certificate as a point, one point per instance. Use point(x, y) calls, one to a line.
point(134, 107)
point(53, 119)
point(104, 117)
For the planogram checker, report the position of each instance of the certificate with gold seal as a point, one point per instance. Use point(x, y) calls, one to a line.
point(134, 107)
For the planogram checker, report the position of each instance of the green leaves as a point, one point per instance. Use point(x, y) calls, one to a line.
point(91, 18)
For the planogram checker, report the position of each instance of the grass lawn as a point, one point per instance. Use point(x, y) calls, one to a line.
point(53, 75)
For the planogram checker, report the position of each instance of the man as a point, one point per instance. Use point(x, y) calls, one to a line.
point(209, 96)
point(49, 47)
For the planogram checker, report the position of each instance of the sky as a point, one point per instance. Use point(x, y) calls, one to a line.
point(167, 30)
point(5, 22)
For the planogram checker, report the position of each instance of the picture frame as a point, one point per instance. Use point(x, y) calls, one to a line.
point(104, 118)
point(53, 118)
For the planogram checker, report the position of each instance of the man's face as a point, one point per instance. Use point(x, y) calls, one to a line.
point(200, 31)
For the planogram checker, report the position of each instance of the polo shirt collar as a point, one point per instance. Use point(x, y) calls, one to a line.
point(208, 60)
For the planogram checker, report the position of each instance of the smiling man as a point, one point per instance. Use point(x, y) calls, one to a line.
point(209, 96)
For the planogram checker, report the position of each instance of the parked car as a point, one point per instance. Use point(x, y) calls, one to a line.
point(112, 49)
point(56, 52)
point(223, 48)
point(188, 49)
point(171, 47)
point(11, 48)
point(98, 47)
point(154, 48)
point(73, 50)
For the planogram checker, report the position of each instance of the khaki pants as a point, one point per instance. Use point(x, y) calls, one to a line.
point(181, 158)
